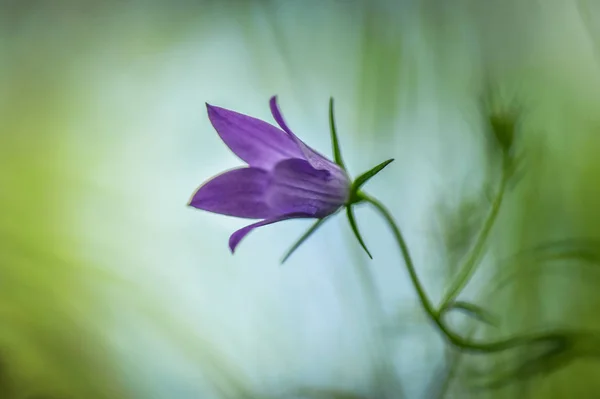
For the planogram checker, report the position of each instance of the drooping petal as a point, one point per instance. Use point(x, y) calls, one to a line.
point(298, 187)
point(256, 142)
point(238, 192)
point(236, 237)
point(315, 159)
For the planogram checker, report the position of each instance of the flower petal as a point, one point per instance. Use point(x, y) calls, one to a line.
point(315, 159)
point(238, 192)
point(236, 237)
point(256, 142)
point(298, 187)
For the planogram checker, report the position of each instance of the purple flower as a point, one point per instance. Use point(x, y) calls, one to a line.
point(284, 179)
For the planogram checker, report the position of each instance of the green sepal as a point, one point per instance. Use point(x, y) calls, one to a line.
point(337, 153)
point(362, 179)
point(353, 225)
point(308, 233)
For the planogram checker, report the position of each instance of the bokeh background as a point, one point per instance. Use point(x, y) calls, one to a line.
point(111, 287)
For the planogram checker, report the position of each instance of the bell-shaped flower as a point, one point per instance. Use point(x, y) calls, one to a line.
point(284, 179)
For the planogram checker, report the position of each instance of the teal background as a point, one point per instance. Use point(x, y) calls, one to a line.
point(110, 287)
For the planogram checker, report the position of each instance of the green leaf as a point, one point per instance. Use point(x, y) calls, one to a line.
point(308, 233)
point(362, 179)
point(337, 154)
point(354, 227)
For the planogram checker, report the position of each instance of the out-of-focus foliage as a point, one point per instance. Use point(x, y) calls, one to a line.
point(52, 341)
point(106, 291)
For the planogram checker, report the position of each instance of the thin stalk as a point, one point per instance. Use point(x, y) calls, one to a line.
point(468, 268)
point(453, 338)
point(425, 302)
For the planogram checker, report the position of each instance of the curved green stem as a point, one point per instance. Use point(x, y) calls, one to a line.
point(455, 339)
point(425, 302)
point(468, 268)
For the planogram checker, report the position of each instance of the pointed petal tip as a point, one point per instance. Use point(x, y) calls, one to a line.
point(238, 236)
point(274, 106)
point(254, 141)
point(215, 111)
point(234, 240)
point(238, 192)
point(196, 205)
point(191, 201)
point(196, 199)
point(211, 109)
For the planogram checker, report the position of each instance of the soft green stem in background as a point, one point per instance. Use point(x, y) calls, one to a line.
point(468, 268)
point(435, 316)
point(423, 298)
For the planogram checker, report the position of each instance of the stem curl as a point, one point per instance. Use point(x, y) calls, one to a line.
point(434, 315)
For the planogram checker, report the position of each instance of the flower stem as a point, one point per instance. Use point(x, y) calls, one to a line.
point(468, 268)
point(434, 315)
point(425, 302)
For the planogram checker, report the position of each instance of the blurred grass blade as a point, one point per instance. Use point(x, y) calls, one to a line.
point(559, 351)
point(587, 250)
point(472, 310)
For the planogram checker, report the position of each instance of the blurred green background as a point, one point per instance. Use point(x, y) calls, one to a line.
point(110, 287)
